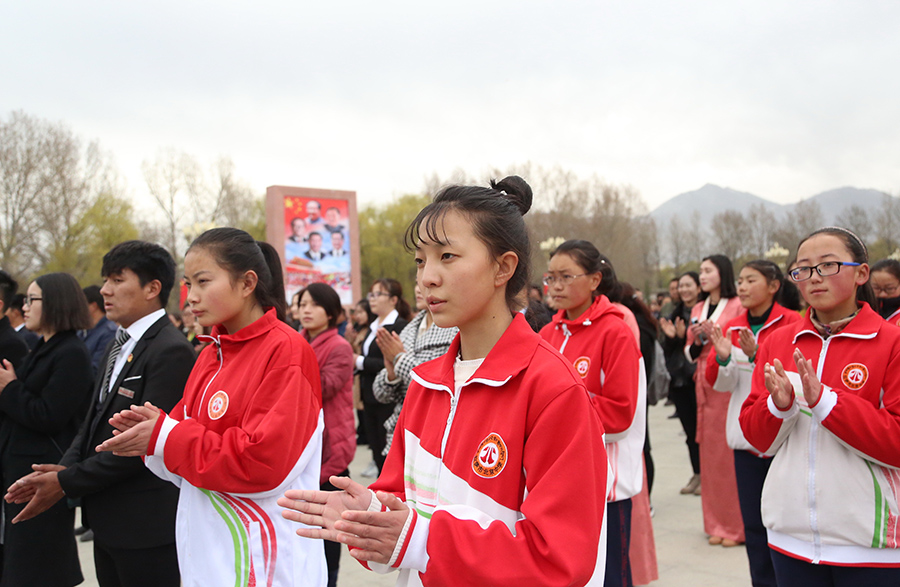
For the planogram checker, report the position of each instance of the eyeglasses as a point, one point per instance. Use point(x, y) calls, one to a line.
point(825, 269)
point(890, 290)
point(550, 279)
point(32, 299)
point(374, 294)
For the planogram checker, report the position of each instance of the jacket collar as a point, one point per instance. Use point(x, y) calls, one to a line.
point(511, 355)
point(599, 308)
point(255, 329)
point(866, 324)
point(321, 339)
point(776, 315)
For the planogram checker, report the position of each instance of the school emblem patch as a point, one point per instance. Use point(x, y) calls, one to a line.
point(854, 375)
point(218, 405)
point(490, 458)
point(582, 366)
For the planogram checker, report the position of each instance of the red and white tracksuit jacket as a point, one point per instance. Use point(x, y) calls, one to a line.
point(604, 352)
point(735, 377)
point(832, 492)
point(506, 478)
point(248, 428)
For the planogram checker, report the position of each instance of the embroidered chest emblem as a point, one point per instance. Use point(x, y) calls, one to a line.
point(582, 366)
point(854, 375)
point(218, 405)
point(490, 458)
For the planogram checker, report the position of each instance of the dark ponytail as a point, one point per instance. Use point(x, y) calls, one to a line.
point(238, 252)
point(496, 215)
point(787, 295)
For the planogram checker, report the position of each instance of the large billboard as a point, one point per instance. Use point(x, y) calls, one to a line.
point(316, 232)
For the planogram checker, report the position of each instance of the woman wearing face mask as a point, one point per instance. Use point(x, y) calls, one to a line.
point(720, 304)
point(885, 280)
point(682, 389)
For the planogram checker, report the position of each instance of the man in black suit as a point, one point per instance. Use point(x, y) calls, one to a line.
point(14, 311)
point(12, 347)
point(130, 510)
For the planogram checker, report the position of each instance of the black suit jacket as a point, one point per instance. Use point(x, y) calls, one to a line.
point(125, 504)
point(373, 363)
point(12, 346)
point(40, 412)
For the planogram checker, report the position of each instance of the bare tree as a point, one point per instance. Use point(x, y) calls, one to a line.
point(49, 182)
point(887, 223)
point(856, 219)
point(695, 238)
point(192, 199)
point(675, 241)
point(760, 224)
point(731, 234)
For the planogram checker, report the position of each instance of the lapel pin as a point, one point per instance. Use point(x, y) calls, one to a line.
point(130, 357)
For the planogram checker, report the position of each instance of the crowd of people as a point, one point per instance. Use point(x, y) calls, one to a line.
point(507, 421)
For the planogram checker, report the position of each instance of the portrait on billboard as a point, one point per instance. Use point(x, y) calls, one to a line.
point(318, 238)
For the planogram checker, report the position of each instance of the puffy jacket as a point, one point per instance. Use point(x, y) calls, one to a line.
point(335, 358)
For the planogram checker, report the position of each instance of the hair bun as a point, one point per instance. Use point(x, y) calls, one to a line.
point(515, 190)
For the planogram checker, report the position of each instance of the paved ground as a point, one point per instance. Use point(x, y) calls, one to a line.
point(684, 557)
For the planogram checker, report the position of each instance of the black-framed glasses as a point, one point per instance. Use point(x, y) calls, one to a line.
point(825, 269)
point(550, 279)
point(32, 299)
point(888, 290)
point(374, 294)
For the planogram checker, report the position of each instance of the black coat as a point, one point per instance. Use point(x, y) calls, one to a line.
point(125, 504)
point(373, 363)
point(41, 412)
point(12, 346)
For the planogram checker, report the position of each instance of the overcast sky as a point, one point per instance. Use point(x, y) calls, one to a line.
point(781, 99)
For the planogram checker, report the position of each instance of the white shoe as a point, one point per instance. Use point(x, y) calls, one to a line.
point(370, 471)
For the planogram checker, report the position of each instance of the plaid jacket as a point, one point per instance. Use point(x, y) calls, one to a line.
point(431, 345)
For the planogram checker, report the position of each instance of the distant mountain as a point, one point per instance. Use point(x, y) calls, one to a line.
point(712, 199)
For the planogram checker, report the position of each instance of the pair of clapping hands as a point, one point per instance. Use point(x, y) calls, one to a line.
point(41, 488)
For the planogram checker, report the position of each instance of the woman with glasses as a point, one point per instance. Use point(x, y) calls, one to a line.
point(392, 313)
point(771, 302)
point(591, 333)
point(720, 304)
point(885, 280)
point(42, 405)
point(825, 400)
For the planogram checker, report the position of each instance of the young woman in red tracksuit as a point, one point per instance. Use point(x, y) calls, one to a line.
point(248, 428)
point(318, 310)
point(761, 286)
point(825, 401)
point(591, 332)
point(497, 471)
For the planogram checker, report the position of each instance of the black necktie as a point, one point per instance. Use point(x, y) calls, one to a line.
point(122, 337)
